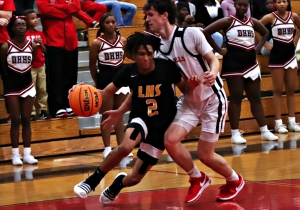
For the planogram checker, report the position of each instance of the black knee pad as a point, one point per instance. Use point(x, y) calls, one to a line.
point(137, 129)
point(147, 161)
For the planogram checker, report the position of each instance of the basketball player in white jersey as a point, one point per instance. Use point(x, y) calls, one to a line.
point(207, 104)
point(282, 62)
point(241, 76)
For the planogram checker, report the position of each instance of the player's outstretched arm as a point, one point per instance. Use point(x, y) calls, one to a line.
point(114, 116)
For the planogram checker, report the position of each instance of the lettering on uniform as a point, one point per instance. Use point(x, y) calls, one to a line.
point(113, 55)
point(179, 59)
point(21, 59)
point(285, 31)
point(245, 33)
point(149, 92)
point(86, 101)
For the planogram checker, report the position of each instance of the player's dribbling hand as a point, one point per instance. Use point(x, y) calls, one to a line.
point(209, 78)
point(73, 88)
point(113, 118)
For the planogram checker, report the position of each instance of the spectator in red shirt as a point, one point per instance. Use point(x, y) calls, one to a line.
point(38, 65)
point(62, 52)
point(6, 9)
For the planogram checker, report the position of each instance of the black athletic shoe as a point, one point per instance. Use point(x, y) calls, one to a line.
point(44, 115)
point(33, 118)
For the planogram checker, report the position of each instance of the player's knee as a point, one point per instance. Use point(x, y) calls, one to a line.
point(170, 140)
point(125, 149)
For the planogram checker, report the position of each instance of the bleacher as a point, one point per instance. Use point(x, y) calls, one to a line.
point(78, 134)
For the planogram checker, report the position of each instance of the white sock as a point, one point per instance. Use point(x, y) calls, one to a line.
point(194, 172)
point(107, 148)
point(233, 177)
point(235, 131)
point(27, 151)
point(278, 122)
point(263, 129)
point(292, 120)
point(15, 151)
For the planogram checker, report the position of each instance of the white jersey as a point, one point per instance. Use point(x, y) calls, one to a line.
point(19, 58)
point(283, 30)
point(187, 53)
point(111, 54)
point(241, 34)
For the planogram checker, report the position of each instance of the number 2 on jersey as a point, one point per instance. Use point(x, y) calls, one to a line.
point(152, 108)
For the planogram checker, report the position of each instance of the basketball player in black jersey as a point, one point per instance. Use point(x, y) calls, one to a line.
point(152, 106)
point(19, 91)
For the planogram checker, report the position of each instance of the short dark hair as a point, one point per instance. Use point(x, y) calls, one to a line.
point(138, 39)
point(28, 12)
point(162, 6)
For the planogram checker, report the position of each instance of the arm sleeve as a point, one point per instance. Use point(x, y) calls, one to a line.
point(9, 5)
point(70, 9)
point(224, 7)
point(196, 42)
point(47, 10)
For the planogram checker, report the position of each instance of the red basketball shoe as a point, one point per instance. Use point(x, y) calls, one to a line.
point(229, 190)
point(198, 184)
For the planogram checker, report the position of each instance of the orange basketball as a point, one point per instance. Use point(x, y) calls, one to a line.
point(85, 100)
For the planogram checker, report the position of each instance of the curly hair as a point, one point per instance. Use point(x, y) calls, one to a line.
point(138, 39)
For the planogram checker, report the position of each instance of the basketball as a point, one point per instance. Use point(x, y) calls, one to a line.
point(85, 100)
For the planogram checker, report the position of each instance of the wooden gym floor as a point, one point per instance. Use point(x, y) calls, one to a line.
point(271, 171)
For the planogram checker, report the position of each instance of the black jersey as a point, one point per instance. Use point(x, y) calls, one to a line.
point(152, 94)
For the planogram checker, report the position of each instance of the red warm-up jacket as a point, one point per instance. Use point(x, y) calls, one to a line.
point(57, 21)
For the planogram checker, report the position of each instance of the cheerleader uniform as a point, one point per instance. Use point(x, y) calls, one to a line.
point(283, 52)
point(240, 60)
point(18, 80)
point(110, 60)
